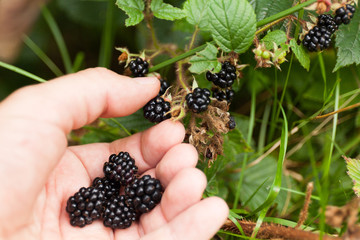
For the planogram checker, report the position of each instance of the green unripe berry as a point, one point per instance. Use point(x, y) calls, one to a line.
point(265, 55)
point(258, 52)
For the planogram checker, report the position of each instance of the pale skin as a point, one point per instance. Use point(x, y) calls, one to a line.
point(39, 172)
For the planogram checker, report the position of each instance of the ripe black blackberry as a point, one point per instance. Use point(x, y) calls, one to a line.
point(231, 124)
point(344, 14)
point(163, 87)
point(198, 100)
point(85, 206)
point(327, 21)
point(156, 110)
point(120, 168)
point(143, 194)
point(220, 95)
point(117, 214)
point(318, 38)
point(224, 78)
point(110, 188)
point(139, 67)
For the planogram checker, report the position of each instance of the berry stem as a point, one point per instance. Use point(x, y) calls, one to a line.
point(259, 24)
point(193, 37)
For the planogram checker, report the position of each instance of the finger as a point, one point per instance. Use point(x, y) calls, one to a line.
point(149, 147)
point(184, 190)
point(201, 221)
point(34, 122)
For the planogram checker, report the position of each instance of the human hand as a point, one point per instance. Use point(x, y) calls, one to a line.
point(38, 172)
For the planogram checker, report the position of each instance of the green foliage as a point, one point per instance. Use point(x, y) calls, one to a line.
point(196, 13)
point(134, 9)
point(166, 11)
point(348, 43)
point(227, 18)
point(353, 166)
point(266, 8)
point(300, 54)
point(278, 37)
point(206, 60)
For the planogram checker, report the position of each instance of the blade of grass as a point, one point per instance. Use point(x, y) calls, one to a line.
point(42, 55)
point(58, 38)
point(264, 123)
point(249, 136)
point(233, 217)
point(254, 193)
point(323, 74)
point(121, 126)
point(21, 71)
point(273, 111)
point(107, 37)
point(78, 62)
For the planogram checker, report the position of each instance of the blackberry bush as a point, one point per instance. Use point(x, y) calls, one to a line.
point(198, 100)
point(144, 194)
point(156, 110)
point(85, 206)
point(120, 168)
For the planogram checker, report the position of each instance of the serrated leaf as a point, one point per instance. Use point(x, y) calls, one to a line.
point(278, 37)
point(134, 9)
point(348, 43)
point(266, 8)
point(205, 60)
point(166, 11)
point(232, 24)
point(196, 13)
point(300, 54)
point(353, 166)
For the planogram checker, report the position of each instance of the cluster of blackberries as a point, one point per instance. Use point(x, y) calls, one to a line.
point(157, 109)
point(319, 37)
point(221, 95)
point(198, 100)
point(224, 78)
point(139, 67)
point(103, 200)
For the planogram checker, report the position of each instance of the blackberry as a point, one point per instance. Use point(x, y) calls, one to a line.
point(231, 124)
point(110, 188)
point(139, 67)
point(143, 194)
point(120, 168)
point(117, 214)
point(224, 78)
point(318, 38)
point(85, 206)
point(327, 21)
point(344, 14)
point(156, 110)
point(220, 95)
point(198, 100)
point(163, 87)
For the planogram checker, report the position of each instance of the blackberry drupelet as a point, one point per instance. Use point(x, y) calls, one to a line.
point(156, 110)
point(318, 38)
point(117, 214)
point(85, 206)
point(198, 100)
point(163, 87)
point(224, 78)
point(220, 95)
point(327, 21)
point(120, 168)
point(143, 194)
point(231, 124)
point(110, 188)
point(139, 67)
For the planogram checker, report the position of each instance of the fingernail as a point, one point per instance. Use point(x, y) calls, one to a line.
point(146, 80)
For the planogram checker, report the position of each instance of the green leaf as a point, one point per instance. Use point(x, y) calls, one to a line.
point(277, 36)
point(300, 54)
point(205, 60)
point(348, 43)
point(266, 8)
point(232, 24)
point(196, 13)
point(353, 166)
point(134, 9)
point(166, 11)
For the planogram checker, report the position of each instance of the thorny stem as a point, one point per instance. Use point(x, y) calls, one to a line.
point(259, 24)
point(193, 37)
point(149, 23)
point(180, 76)
point(269, 25)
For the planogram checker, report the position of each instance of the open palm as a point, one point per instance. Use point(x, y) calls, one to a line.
point(39, 172)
